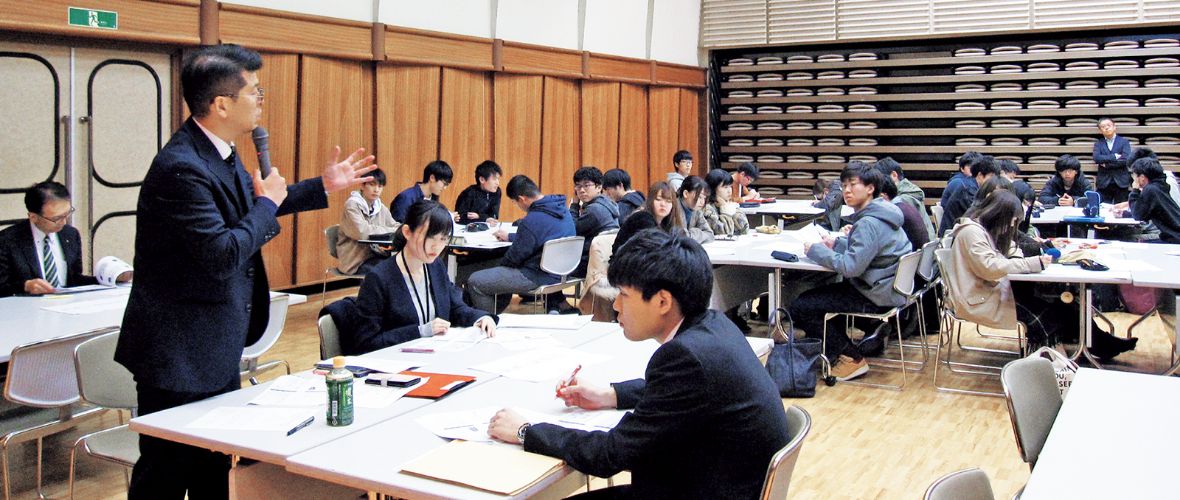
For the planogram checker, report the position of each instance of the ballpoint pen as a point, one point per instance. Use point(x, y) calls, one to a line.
point(570, 381)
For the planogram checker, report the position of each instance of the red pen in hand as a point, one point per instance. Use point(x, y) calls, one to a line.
point(569, 381)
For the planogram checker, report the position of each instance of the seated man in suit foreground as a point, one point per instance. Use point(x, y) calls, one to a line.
point(706, 419)
point(45, 254)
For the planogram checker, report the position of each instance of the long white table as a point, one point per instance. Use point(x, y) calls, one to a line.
point(24, 319)
point(1055, 215)
point(753, 250)
point(1113, 438)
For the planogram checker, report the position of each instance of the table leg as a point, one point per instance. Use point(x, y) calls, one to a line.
point(775, 293)
point(452, 266)
point(1085, 334)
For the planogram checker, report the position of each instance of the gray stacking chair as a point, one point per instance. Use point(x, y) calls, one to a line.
point(330, 234)
point(967, 484)
point(249, 366)
point(1030, 386)
point(329, 337)
point(105, 383)
point(559, 256)
point(782, 464)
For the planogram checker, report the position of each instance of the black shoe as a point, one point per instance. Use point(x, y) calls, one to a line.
point(873, 344)
point(738, 320)
point(1107, 346)
point(563, 308)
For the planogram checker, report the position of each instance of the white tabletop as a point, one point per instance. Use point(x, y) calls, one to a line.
point(1113, 438)
point(1159, 264)
point(791, 207)
point(753, 249)
point(1054, 215)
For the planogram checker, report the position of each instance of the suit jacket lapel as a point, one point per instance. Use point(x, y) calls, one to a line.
point(224, 173)
point(29, 251)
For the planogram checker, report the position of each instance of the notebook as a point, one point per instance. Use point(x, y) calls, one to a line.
point(499, 469)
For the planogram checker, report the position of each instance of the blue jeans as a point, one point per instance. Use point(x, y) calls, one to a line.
point(483, 287)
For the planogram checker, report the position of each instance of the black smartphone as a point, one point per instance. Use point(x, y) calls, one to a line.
point(392, 379)
point(357, 371)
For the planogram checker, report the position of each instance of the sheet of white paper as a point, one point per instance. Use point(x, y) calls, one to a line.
point(377, 396)
point(1128, 265)
point(252, 418)
point(523, 339)
point(437, 344)
point(82, 289)
point(468, 425)
point(381, 365)
point(90, 306)
point(293, 391)
point(540, 365)
point(548, 321)
point(810, 233)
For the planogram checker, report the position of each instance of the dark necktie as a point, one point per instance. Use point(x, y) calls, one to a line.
point(48, 262)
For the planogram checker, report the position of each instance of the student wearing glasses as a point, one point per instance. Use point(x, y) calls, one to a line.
point(593, 211)
point(409, 295)
point(46, 253)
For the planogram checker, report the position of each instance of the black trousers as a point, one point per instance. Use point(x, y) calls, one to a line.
point(808, 310)
point(1112, 193)
point(166, 469)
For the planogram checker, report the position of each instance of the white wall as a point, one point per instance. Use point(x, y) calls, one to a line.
point(616, 27)
point(356, 10)
point(553, 23)
point(675, 31)
point(465, 17)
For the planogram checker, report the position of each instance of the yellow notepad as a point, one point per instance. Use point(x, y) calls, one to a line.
point(498, 469)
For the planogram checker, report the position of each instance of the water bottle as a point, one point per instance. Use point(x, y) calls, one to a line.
point(339, 382)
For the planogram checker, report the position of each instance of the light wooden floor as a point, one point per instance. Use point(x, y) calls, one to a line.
point(865, 442)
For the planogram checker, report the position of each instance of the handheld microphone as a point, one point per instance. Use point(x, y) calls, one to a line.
point(261, 139)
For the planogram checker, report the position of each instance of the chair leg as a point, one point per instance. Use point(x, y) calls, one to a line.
point(4, 464)
point(73, 465)
point(324, 291)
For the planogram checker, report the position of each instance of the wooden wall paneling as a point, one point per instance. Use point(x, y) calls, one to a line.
point(600, 124)
point(540, 60)
point(408, 100)
point(677, 74)
point(268, 29)
point(280, 77)
point(517, 121)
point(413, 46)
point(633, 145)
point(560, 136)
point(465, 133)
point(689, 135)
point(663, 130)
point(172, 22)
point(622, 69)
point(335, 108)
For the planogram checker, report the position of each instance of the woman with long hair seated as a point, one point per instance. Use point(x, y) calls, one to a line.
point(721, 212)
point(984, 254)
point(409, 295)
point(693, 194)
point(660, 210)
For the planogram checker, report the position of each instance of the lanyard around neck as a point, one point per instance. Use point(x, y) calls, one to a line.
point(423, 313)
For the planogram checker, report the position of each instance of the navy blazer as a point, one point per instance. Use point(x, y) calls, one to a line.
point(18, 258)
point(705, 423)
point(385, 314)
point(1111, 169)
point(200, 292)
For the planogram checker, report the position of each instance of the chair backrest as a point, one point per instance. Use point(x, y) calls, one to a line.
point(562, 255)
point(942, 257)
point(926, 266)
point(42, 373)
point(596, 267)
point(274, 328)
point(1030, 386)
point(907, 268)
point(936, 210)
point(778, 475)
point(329, 337)
point(967, 484)
point(102, 381)
point(331, 233)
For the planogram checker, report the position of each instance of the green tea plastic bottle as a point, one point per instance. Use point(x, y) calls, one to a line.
point(339, 382)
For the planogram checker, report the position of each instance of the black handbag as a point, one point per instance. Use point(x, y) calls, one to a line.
point(793, 363)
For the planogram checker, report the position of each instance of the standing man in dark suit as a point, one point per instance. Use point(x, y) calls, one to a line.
point(706, 419)
point(45, 254)
point(1111, 153)
point(201, 291)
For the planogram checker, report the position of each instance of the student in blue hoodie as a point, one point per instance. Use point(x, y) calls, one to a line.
point(616, 184)
point(593, 211)
point(867, 260)
point(546, 218)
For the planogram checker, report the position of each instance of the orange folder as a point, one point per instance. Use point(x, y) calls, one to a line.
point(438, 385)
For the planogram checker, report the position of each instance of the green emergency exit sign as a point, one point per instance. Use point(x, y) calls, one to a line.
point(91, 18)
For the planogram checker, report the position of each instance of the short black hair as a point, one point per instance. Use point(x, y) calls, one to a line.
point(681, 156)
point(588, 173)
point(1138, 153)
point(867, 174)
point(888, 187)
point(214, 71)
point(715, 179)
point(968, 158)
point(616, 177)
point(750, 169)
point(691, 184)
point(378, 176)
point(521, 185)
point(983, 165)
point(1148, 166)
point(1008, 167)
point(1067, 162)
point(431, 213)
point(888, 166)
point(654, 260)
point(37, 195)
point(819, 187)
point(440, 170)
point(487, 169)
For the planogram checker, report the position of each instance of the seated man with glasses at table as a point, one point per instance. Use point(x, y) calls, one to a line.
point(45, 254)
point(706, 418)
point(593, 211)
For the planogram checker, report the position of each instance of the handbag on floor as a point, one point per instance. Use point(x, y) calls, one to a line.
point(793, 363)
point(1063, 367)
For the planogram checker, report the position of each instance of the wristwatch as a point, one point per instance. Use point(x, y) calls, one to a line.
point(524, 428)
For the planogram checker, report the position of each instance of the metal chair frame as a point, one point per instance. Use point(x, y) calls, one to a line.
point(249, 366)
point(782, 464)
point(330, 234)
point(105, 383)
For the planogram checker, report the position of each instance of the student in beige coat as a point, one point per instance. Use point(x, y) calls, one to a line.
point(983, 255)
point(364, 216)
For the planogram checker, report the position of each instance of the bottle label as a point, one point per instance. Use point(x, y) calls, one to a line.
point(340, 402)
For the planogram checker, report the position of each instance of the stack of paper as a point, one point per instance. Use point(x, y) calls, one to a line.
point(540, 365)
point(499, 469)
point(547, 321)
